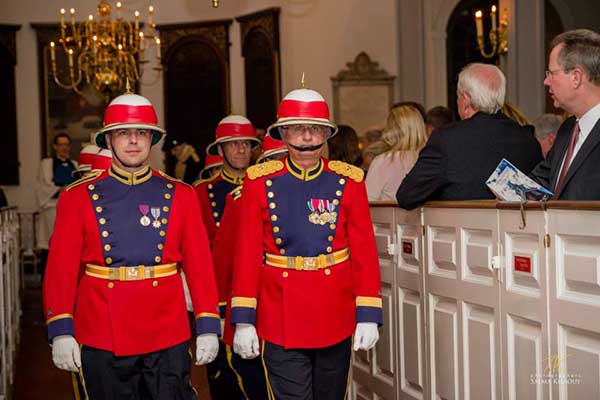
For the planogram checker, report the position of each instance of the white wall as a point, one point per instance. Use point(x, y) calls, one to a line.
point(318, 37)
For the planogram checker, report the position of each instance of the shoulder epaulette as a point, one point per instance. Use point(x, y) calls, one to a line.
point(209, 179)
point(236, 193)
point(169, 177)
point(348, 170)
point(264, 169)
point(89, 177)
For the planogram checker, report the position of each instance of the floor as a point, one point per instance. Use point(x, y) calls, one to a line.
point(36, 378)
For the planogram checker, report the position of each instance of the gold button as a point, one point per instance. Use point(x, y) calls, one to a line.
point(99, 209)
point(285, 274)
point(327, 272)
point(108, 260)
point(170, 185)
point(329, 249)
point(336, 202)
point(102, 221)
point(162, 233)
point(278, 240)
point(334, 214)
point(338, 192)
point(272, 206)
point(342, 181)
point(332, 227)
point(215, 214)
point(275, 229)
point(210, 186)
point(269, 182)
point(107, 247)
point(157, 259)
point(270, 195)
point(273, 218)
point(282, 251)
point(160, 246)
point(211, 195)
point(155, 283)
point(91, 187)
point(330, 238)
point(166, 209)
point(105, 234)
point(164, 221)
point(95, 196)
point(167, 196)
point(110, 285)
point(214, 203)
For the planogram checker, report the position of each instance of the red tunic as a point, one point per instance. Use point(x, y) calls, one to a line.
point(128, 317)
point(294, 212)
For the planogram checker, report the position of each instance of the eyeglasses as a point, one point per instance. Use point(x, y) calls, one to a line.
point(550, 73)
point(299, 129)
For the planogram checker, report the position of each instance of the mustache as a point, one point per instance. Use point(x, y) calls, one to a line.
point(306, 148)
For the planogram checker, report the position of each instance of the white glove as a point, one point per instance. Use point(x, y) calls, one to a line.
point(245, 341)
point(65, 353)
point(365, 335)
point(207, 347)
point(186, 292)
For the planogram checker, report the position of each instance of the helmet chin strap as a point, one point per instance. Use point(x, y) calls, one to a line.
point(306, 148)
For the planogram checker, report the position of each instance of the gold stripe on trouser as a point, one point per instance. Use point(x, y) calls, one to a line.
point(75, 386)
point(240, 381)
point(82, 379)
point(269, 388)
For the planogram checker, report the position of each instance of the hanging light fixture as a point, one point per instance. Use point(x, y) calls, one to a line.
point(104, 53)
point(215, 3)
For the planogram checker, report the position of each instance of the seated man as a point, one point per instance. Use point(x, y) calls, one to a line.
point(457, 160)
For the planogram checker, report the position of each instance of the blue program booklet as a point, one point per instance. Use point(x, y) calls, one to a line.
point(510, 184)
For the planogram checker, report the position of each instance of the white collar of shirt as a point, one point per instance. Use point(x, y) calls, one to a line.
point(586, 124)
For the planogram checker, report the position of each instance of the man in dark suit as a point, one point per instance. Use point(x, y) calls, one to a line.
point(457, 160)
point(571, 169)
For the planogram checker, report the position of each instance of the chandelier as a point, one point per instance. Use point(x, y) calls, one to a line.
point(104, 53)
point(498, 36)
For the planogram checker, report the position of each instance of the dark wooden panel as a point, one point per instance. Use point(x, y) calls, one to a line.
point(9, 150)
point(260, 49)
point(196, 80)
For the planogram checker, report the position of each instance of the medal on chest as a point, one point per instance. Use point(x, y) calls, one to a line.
point(144, 209)
point(155, 211)
point(322, 211)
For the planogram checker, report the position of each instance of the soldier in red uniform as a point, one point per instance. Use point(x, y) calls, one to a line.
point(112, 283)
point(306, 274)
point(234, 141)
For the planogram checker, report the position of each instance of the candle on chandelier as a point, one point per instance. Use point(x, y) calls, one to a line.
point(478, 23)
point(137, 20)
point(141, 41)
point(62, 18)
point(493, 18)
point(119, 5)
point(73, 17)
point(95, 44)
point(71, 58)
point(158, 48)
point(52, 52)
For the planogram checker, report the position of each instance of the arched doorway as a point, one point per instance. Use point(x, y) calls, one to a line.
point(461, 43)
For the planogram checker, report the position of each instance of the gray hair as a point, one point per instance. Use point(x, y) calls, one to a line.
point(485, 84)
point(580, 47)
point(545, 124)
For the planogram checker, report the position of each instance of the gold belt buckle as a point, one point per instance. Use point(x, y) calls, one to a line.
point(310, 263)
point(132, 274)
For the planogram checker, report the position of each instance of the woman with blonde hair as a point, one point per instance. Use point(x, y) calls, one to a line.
point(404, 137)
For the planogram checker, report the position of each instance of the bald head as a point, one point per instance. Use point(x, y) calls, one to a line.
point(481, 87)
